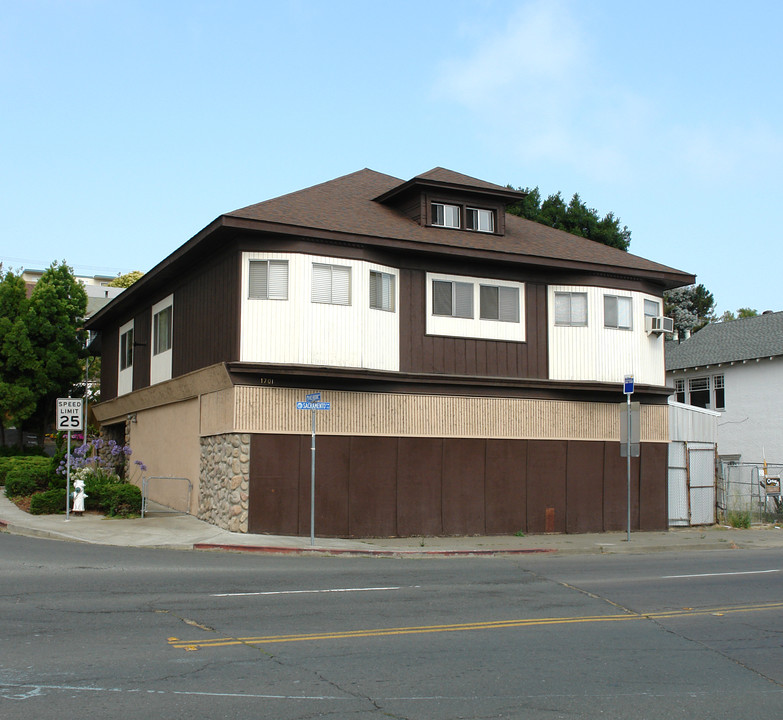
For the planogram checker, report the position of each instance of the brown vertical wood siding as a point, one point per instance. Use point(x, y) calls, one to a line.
point(424, 353)
point(142, 350)
point(206, 315)
point(384, 486)
point(110, 360)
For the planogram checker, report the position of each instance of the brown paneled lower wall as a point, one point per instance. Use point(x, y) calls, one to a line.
point(386, 486)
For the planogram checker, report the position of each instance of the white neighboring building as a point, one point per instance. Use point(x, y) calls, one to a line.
point(735, 368)
point(97, 288)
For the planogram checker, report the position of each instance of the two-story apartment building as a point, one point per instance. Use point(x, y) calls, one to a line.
point(473, 361)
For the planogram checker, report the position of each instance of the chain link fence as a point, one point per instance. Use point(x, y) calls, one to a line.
point(746, 495)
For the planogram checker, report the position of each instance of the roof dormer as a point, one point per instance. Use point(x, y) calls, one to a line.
point(442, 198)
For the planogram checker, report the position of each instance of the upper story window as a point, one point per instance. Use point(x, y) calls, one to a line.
point(704, 392)
point(126, 349)
point(331, 284)
point(381, 291)
point(480, 220)
point(445, 215)
point(651, 308)
point(268, 280)
point(454, 299)
point(161, 331)
point(571, 308)
point(499, 303)
point(618, 312)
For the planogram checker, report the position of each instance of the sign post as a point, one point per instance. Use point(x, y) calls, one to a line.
point(70, 416)
point(628, 391)
point(313, 403)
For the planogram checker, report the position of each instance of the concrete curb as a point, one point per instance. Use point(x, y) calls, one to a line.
point(368, 552)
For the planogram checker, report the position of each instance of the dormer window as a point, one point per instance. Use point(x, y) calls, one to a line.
point(480, 220)
point(445, 215)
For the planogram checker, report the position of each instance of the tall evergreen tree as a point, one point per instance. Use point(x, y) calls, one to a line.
point(574, 217)
point(54, 320)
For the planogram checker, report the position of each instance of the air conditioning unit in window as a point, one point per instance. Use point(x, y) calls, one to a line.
point(659, 325)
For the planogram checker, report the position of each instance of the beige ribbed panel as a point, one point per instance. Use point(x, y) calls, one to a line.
point(273, 410)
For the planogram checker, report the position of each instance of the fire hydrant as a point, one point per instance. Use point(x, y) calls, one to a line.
point(78, 497)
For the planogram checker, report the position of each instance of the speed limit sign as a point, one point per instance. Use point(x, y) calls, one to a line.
point(70, 414)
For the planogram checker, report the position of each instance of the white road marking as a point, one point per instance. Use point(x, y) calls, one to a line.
point(308, 592)
point(745, 572)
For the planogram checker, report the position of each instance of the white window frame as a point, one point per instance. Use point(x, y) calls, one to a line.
point(382, 291)
point(461, 300)
point(652, 308)
point(162, 344)
point(623, 320)
point(450, 215)
point(572, 321)
point(126, 349)
point(331, 284)
point(271, 280)
point(479, 219)
point(507, 306)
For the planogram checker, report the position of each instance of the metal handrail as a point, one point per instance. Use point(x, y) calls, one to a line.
point(145, 484)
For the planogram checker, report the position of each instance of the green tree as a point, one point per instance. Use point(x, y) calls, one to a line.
point(743, 312)
point(54, 320)
point(691, 308)
point(126, 280)
point(574, 217)
point(18, 364)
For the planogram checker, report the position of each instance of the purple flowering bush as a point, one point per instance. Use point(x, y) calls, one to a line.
point(102, 465)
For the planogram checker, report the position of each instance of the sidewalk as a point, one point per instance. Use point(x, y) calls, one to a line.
point(184, 532)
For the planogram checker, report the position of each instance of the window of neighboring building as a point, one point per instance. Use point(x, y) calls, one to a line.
point(161, 331)
point(381, 291)
point(570, 308)
point(679, 390)
point(499, 303)
point(445, 215)
point(331, 284)
point(480, 220)
point(718, 393)
point(651, 308)
point(268, 280)
point(618, 312)
point(453, 299)
point(126, 349)
point(699, 392)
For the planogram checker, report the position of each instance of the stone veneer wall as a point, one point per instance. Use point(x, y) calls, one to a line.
point(224, 481)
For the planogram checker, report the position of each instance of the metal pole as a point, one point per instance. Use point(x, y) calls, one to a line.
point(628, 464)
point(68, 480)
point(312, 484)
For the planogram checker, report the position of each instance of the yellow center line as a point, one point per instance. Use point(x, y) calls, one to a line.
point(464, 627)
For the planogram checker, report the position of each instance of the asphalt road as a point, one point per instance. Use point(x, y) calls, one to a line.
point(95, 631)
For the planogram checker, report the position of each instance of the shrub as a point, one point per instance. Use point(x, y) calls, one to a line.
point(49, 502)
point(27, 475)
point(124, 500)
point(739, 519)
point(16, 451)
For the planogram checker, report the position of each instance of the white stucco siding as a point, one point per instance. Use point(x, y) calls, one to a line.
point(752, 423)
point(597, 353)
point(297, 330)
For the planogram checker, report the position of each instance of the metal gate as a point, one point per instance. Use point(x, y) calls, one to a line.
point(691, 483)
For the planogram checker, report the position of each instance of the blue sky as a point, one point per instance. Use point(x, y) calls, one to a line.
point(128, 126)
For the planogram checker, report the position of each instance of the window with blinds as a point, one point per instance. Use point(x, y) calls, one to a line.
point(381, 291)
point(454, 299)
point(268, 280)
point(331, 284)
point(618, 312)
point(570, 308)
point(499, 303)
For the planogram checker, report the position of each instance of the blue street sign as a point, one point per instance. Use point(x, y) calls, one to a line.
point(313, 406)
point(628, 385)
point(313, 397)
